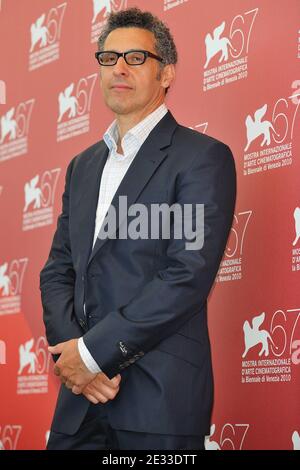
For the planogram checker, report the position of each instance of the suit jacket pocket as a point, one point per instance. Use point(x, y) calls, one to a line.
point(185, 348)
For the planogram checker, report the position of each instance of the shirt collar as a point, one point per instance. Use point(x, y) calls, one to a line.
point(138, 133)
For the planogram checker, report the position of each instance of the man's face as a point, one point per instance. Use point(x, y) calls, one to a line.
point(132, 89)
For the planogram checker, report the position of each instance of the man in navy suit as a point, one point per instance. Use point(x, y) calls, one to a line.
point(126, 316)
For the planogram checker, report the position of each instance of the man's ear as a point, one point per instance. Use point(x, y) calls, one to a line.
point(168, 75)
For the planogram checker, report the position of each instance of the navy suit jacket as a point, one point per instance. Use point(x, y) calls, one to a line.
point(146, 299)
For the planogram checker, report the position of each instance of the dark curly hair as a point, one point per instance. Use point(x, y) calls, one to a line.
point(136, 18)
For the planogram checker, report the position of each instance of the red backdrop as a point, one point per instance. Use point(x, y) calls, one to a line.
point(237, 80)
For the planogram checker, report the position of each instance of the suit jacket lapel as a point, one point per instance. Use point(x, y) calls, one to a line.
point(86, 210)
point(149, 157)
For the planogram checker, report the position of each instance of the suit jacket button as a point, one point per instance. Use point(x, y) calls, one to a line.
point(123, 348)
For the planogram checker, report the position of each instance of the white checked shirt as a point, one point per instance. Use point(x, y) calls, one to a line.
point(112, 175)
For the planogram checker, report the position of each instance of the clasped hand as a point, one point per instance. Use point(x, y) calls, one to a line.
point(74, 374)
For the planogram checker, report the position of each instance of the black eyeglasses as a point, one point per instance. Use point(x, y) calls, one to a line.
point(132, 57)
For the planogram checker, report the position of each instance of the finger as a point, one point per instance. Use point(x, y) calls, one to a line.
point(92, 399)
point(77, 389)
point(108, 392)
point(96, 397)
point(57, 349)
point(56, 370)
point(116, 380)
point(68, 384)
point(112, 383)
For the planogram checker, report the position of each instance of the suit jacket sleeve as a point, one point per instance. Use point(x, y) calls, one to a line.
point(180, 290)
point(57, 280)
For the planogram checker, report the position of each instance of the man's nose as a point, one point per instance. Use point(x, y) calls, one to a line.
point(121, 67)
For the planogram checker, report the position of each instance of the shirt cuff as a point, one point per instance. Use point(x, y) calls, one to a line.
point(87, 358)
